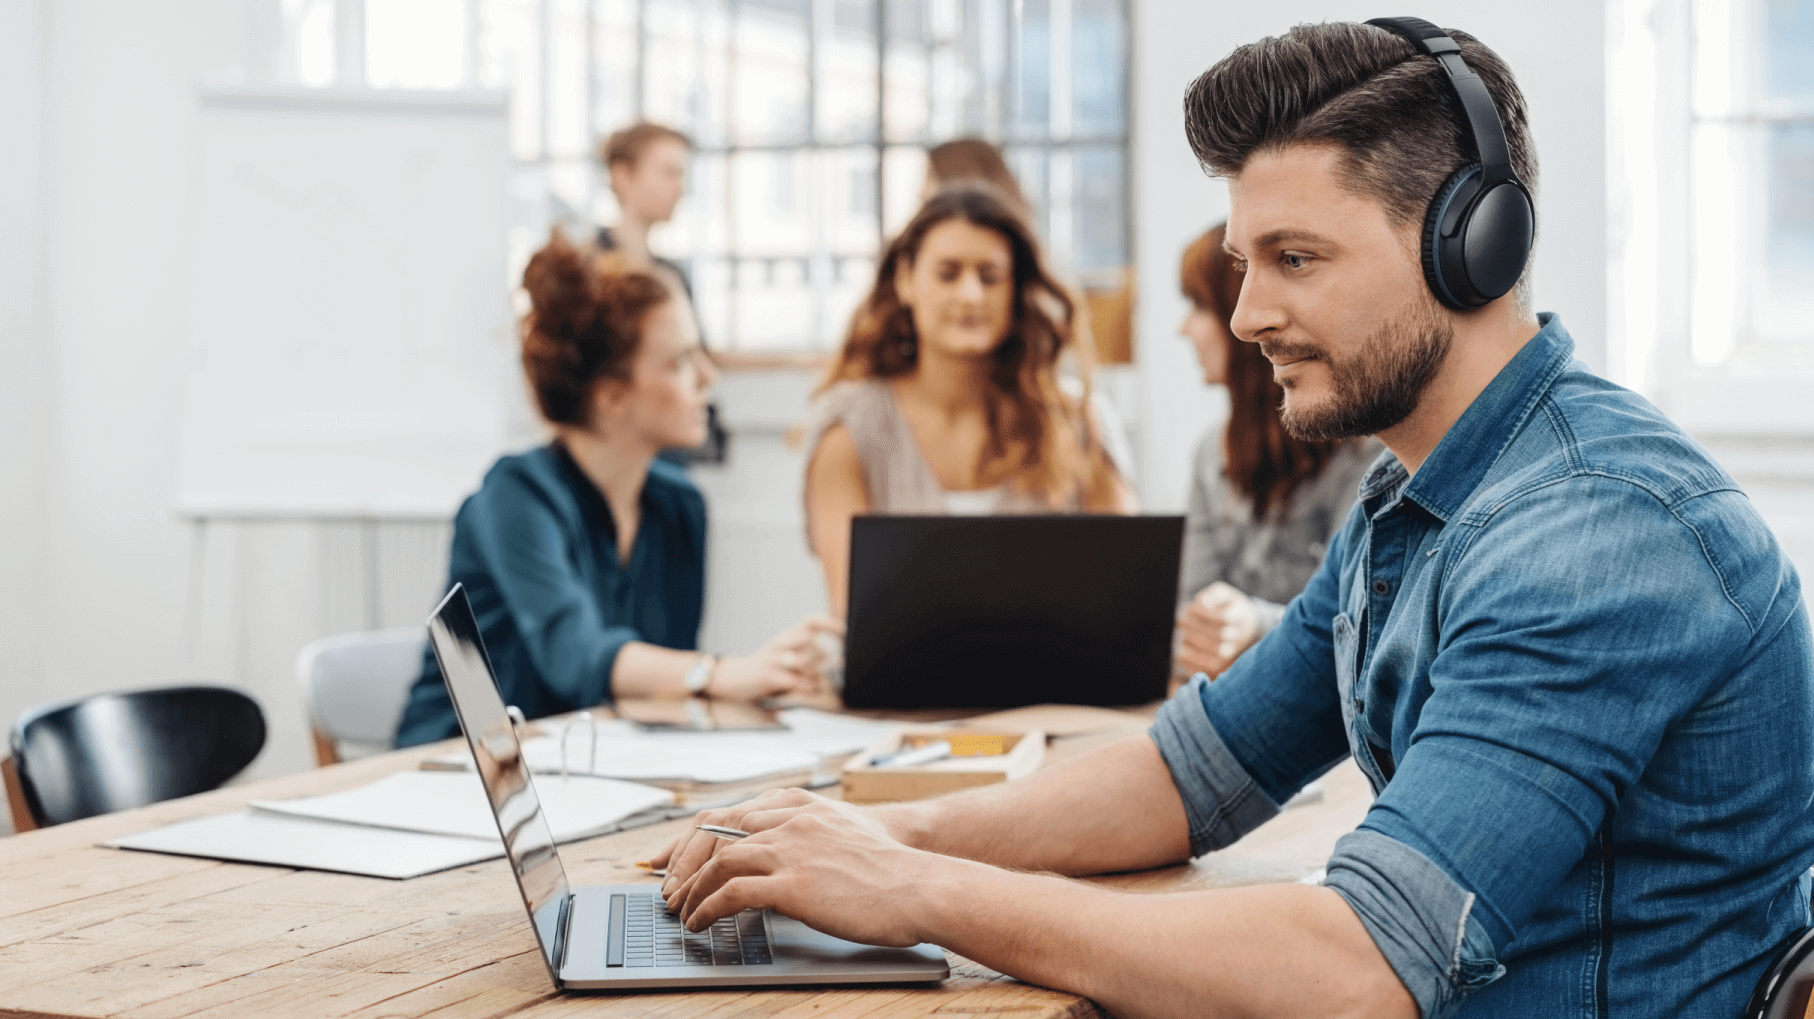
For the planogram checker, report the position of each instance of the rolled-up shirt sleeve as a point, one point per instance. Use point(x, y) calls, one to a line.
point(1242, 745)
point(524, 543)
point(1418, 917)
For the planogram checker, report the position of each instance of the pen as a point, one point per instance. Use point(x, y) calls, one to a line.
point(723, 833)
point(914, 758)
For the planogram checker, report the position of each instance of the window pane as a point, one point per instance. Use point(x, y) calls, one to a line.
point(511, 58)
point(847, 191)
point(673, 57)
point(903, 181)
point(1785, 289)
point(907, 106)
point(774, 304)
point(851, 280)
point(613, 65)
point(1032, 168)
point(768, 85)
point(569, 136)
point(570, 190)
point(1029, 113)
point(1789, 56)
point(768, 203)
point(846, 89)
point(907, 21)
point(1099, 68)
point(699, 237)
point(1101, 201)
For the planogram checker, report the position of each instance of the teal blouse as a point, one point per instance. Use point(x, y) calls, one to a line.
point(536, 548)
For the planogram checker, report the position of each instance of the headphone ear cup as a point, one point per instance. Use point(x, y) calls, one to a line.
point(1444, 268)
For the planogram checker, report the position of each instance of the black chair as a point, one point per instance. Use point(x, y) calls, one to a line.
point(1784, 989)
point(120, 750)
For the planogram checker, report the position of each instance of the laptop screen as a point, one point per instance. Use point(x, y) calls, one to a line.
point(499, 759)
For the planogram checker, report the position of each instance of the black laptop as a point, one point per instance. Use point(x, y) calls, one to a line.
point(1003, 611)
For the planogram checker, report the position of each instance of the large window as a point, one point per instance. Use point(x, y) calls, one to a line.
point(811, 119)
point(1751, 176)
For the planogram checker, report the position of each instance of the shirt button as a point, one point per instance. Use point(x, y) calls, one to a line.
point(1381, 587)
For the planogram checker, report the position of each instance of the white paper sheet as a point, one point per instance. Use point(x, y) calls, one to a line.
point(255, 836)
point(453, 803)
point(625, 751)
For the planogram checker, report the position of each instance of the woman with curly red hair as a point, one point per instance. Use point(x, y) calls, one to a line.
point(585, 558)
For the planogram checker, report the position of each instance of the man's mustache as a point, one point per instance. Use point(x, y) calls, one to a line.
point(1281, 353)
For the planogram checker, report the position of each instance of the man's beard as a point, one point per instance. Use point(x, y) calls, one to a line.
point(1376, 387)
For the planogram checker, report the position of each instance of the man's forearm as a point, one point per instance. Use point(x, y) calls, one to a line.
point(1110, 809)
point(1271, 950)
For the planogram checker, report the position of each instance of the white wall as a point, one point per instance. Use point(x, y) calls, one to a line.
point(1563, 77)
point(25, 340)
point(98, 109)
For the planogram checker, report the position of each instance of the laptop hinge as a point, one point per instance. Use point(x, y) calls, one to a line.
point(560, 933)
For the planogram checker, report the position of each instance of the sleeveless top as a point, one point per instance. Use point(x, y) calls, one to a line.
point(895, 472)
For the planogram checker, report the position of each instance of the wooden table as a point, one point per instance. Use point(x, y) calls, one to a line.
point(89, 931)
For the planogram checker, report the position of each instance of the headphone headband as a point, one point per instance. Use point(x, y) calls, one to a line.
point(1468, 89)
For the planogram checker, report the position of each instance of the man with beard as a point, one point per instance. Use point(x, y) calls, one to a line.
point(1553, 634)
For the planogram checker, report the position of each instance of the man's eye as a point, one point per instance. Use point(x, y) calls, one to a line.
point(1293, 260)
point(1240, 265)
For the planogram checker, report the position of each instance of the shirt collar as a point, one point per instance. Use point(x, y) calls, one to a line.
point(1473, 443)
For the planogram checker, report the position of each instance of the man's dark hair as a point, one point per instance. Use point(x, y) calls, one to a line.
point(1365, 90)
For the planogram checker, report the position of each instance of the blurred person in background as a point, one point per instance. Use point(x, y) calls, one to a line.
point(1263, 505)
point(946, 397)
point(585, 559)
point(646, 166)
point(972, 159)
point(975, 161)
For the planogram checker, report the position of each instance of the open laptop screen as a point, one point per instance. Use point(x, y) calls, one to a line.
point(499, 760)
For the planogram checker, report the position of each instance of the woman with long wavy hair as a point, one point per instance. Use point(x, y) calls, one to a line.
point(1263, 503)
point(961, 387)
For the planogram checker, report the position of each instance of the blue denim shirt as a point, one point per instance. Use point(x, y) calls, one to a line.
point(1576, 668)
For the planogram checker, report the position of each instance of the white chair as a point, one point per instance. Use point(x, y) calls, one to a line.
point(354, 685)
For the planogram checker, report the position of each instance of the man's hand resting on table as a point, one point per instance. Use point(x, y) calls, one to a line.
point(807, 857)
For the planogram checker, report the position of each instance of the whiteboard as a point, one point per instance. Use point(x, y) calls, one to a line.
point(352, 353)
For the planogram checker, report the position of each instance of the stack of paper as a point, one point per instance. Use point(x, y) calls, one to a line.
point(451, 803)
point(403, 825)
point(622, 750)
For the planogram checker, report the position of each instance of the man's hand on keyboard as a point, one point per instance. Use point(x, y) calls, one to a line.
point(834, 866)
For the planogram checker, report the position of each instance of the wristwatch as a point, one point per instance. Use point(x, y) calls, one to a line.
point(699, 675)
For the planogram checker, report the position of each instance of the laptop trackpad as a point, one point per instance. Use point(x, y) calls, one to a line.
point(795, 943)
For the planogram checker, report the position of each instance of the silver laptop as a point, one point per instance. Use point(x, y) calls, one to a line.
point(612, 937)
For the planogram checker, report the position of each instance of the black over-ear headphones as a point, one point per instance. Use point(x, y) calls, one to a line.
point(1478, 232)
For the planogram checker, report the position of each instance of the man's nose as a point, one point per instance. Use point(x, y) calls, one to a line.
point(1256, 311)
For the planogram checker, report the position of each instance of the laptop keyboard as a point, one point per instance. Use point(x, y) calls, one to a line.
point(652, 936)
